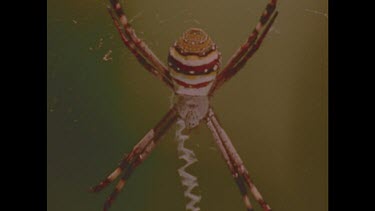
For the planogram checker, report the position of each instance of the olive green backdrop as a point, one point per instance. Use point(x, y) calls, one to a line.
point(274, 110)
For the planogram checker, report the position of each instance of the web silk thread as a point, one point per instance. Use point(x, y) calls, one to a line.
point(187, 180)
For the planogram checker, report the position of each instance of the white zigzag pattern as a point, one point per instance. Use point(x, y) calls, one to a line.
point(187, 179)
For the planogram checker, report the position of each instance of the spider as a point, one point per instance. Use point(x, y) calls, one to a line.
point(193, 74)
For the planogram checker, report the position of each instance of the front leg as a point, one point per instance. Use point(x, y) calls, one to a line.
point(230, 73)
point(161, 75)
point(242, 54)
point(136, 44)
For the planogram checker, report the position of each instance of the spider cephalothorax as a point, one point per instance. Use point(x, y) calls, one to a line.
point(193, 74)
point(192, 109)
point(193, 63)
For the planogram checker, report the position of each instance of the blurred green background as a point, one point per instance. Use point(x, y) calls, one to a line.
point(274, 110)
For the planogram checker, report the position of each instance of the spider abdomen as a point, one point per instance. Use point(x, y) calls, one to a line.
point(193, 63)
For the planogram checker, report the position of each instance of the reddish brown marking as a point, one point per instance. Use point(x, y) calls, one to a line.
point(100, 187)
point(250, 183)
point(110, 200)
point(194, 86)
point(269, 10)
point(198, 70)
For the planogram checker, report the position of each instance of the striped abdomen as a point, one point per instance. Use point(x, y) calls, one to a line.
point(193, 63)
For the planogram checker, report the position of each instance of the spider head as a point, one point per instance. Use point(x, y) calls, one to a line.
point(194, 62)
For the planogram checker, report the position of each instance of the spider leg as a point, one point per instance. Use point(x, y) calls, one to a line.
point(234, 158)
point(139, 57)
point(140, 45)
point(125, 162)
point(251, 52)
point(229, 74)
point(239, 181)
point(271, 6)
point(137, 161)
point(140, 150)
point(239, 55)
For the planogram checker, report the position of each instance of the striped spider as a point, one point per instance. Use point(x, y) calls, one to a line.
point(193, 74)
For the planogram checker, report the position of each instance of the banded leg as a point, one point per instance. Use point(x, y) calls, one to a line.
point(140, 45)
point(240, 53)
point(251, 52)
point(125, 162)
point(239, 181)
point(236, 160)
point(130, 45)
point(128, 171)
point(230, 73)
point(140, 150)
